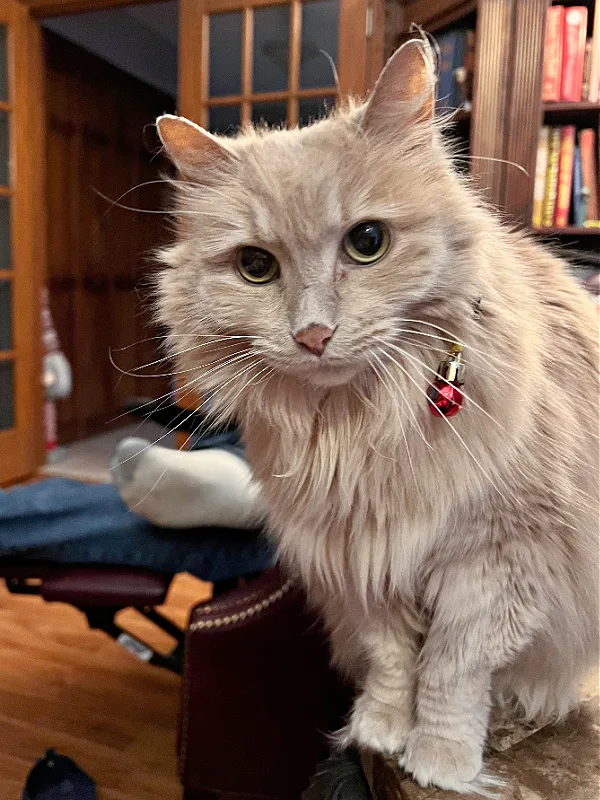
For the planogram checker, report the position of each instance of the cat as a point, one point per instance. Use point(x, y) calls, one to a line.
point(318, 278)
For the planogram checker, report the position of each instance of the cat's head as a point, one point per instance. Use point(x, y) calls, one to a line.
point(310, 246)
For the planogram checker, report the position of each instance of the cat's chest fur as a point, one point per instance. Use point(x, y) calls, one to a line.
point(349, 494)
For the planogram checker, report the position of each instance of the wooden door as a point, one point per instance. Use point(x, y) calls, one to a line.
point(264, 60)
point(98, 142)
point(21, 259)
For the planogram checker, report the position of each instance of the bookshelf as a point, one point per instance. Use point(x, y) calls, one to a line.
point(571, 109)
point(578, 120)
point(569, 230)
point(507, 110)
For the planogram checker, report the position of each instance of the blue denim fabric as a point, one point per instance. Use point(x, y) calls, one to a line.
point(65, 521)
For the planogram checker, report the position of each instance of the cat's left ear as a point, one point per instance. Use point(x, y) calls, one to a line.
point(193, 150)
point(405, 90)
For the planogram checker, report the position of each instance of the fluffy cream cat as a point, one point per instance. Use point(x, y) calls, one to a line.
point(318, 279)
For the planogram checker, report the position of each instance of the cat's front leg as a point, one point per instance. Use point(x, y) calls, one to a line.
point(383, 713)
point(482, 618)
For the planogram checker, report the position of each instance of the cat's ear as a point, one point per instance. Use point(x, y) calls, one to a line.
point(405, 90)
point(193, 150)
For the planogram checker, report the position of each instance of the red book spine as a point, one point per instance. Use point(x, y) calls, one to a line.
point(565, 176)
point(587, 144)
point(575, 29)
point(553, 54)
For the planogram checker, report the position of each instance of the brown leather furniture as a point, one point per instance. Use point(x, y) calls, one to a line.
point(259, 697)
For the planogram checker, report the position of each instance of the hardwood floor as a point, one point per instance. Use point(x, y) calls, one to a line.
point(64, 686)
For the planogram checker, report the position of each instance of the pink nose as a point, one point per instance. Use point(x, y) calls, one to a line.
point(314, 338)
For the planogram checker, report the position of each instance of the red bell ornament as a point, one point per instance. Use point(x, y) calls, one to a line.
point(445, 395)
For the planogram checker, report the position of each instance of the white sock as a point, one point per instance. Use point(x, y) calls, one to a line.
point(186, 489)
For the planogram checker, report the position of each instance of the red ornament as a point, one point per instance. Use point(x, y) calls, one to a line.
point(445, 395)
point(446, 399)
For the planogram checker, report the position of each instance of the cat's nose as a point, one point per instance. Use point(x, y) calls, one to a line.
point(314, 338)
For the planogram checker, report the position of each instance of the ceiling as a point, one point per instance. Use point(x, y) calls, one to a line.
point(140, 40)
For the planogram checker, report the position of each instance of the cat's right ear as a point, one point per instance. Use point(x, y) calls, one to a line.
point(193, 150)
point(405, 90)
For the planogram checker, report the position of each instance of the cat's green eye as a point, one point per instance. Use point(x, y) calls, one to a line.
point(366, 242)
point(256, 265)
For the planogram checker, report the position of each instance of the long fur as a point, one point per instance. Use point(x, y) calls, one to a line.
point(454, 559)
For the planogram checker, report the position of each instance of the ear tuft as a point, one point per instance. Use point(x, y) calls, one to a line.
point(405, 89)
point(192, 149)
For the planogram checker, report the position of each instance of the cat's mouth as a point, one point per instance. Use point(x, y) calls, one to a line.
point(327, 373)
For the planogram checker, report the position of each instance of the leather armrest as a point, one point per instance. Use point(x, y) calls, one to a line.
point(259, 695)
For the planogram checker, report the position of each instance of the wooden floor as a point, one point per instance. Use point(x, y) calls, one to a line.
point(64, 686)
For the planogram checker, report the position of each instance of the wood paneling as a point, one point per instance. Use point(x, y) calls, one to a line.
point(294, 59)
point(98, 254)
point(193, 60)
point(352, 57)
point(491, 96)
point(524, 107)
point(376, 43)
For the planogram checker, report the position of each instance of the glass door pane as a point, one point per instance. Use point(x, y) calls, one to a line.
point(271, 54)
point(320, 31)
point(7, 393)
point(225, 54)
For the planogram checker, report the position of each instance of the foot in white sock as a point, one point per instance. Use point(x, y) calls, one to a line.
point(186, 489)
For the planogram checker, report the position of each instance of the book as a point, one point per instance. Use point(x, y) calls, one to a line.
point(539, 186)
point(575, 28)
point(577, 199)
point(565, 176)
point(452, 45)
point(594, 90)
point(553, 45)
point(587, 68)
point(589, 184)
point(551, 178)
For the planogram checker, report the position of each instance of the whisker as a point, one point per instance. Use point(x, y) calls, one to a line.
point(220, 416)
point(448, 383)
point(192, 413)
point(163, 336)
point(384, 383)
point(406, 402)
point(195, 432)
point(173, 356)
point(446, 420)
point(129, 191)
point(161, 374)
point(452, 340)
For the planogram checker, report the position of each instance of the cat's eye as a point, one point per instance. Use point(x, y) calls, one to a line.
point(256, 265)
point(366, 242)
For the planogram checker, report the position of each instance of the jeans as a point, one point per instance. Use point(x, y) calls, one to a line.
point(68, 522)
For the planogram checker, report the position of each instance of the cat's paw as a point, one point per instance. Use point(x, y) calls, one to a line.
point(377, 726)
point(435, 761)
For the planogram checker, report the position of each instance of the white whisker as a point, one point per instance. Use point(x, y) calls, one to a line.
point(446, 420)
point(406, 402)
point(384, 383)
